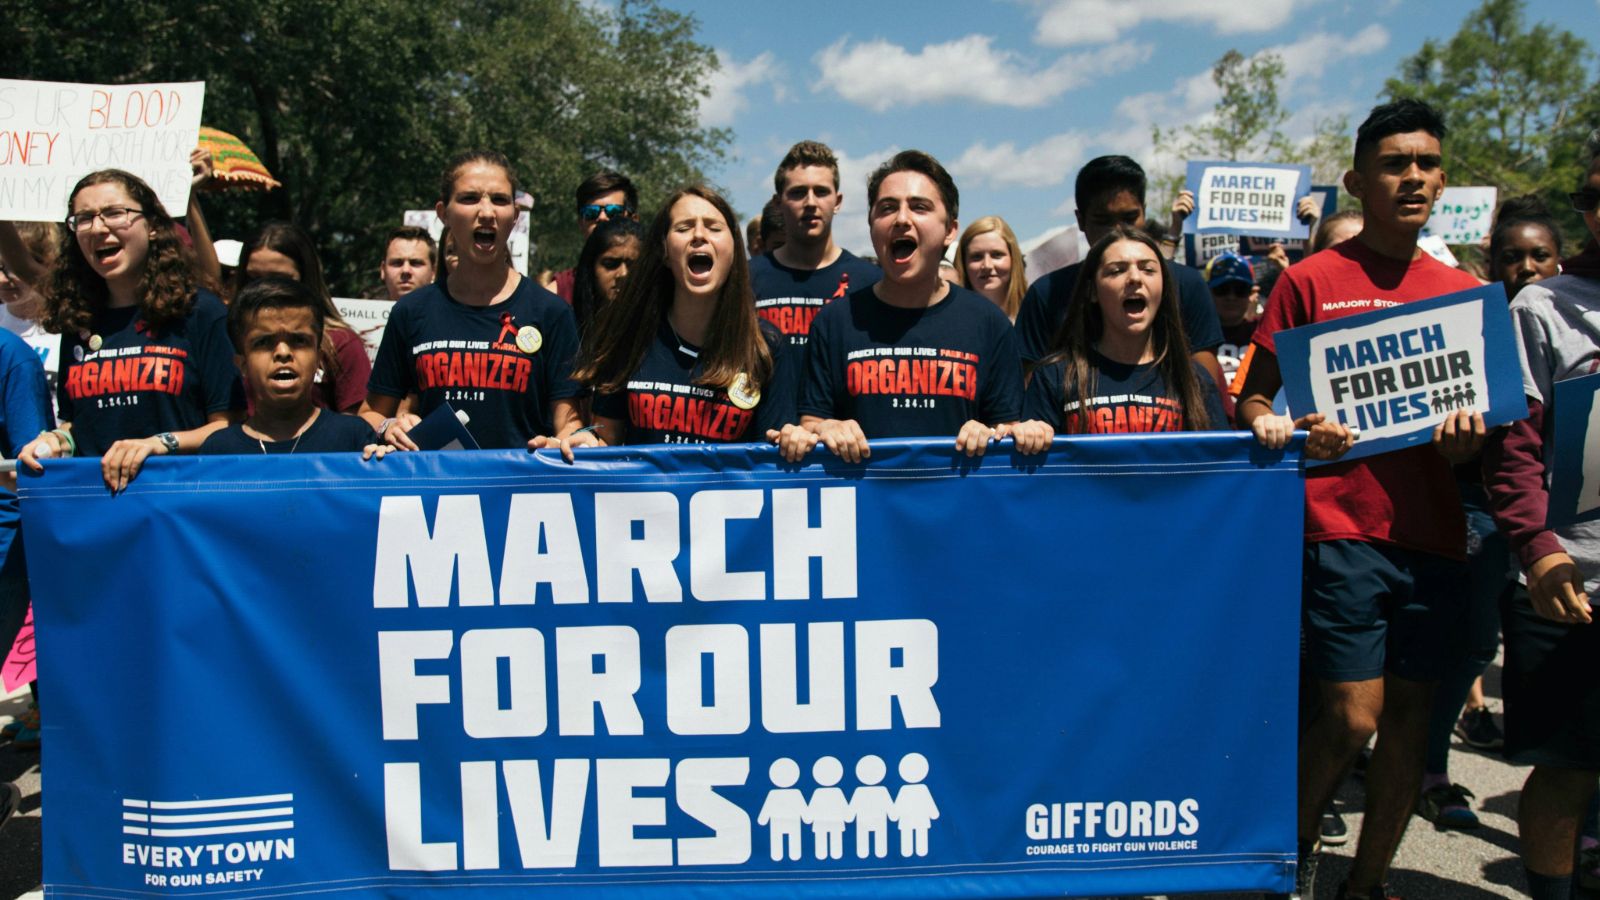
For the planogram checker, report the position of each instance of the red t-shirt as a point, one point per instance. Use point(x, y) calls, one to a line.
point(1407, 498)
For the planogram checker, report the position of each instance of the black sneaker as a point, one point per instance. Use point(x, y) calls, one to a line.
point(1379, 892)
point(1477, 729)
point(1334, 832)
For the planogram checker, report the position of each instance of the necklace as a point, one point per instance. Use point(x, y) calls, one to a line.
point(683, 348)
point(297, 436)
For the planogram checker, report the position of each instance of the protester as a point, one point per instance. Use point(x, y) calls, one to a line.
point(127, 288)
point(681, 357)
point(24, 412)
point(518, 390)
point(39, 244)
point(1110, 190)
point(608, 256)
point(408, 260)
point(989, 262)
point(770, 232)
point(1120, 364)
point(602, 197)
point(847, 398)
point(276, 325)
point(794, 280)
point(1552, 699)
point(1385, 535)
point(1232, 283)
point(1525, 247)
point(1335, 229)
point(282, 249)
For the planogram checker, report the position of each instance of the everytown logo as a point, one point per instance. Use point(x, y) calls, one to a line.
point(198, 838)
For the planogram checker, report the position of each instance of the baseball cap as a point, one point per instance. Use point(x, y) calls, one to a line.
point(1226, 267)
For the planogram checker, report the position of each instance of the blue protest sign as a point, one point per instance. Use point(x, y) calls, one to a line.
point(1247, 198)
point(1575, 473)
point(1395, 373)
point(667, 671)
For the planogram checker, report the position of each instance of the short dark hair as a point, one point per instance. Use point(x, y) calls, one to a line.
point(1397, 117)
point(272, 292)
point(1106, 174)
point(771, 219)
point(411, 233)
point(601, 183)
point(806, 153)
point(917, 161)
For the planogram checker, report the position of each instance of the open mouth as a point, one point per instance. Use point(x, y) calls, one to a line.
point(483, 238)
point(700, 263)
point(1134, 306)
point(1413, 200)
point(902, 249)
point(106, 254)
point(283, 377)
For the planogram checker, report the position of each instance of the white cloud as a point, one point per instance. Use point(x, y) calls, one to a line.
point(1048, 162)
point(1070, 22)
point(880, 75)
point(1307, 58)
point(731, 81)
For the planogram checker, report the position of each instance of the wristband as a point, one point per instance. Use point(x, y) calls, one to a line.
point(63, 437)
point(383, 429)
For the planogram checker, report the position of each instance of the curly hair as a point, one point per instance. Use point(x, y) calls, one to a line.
point(74, 292)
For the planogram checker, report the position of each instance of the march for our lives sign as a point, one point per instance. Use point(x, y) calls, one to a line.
point(671, 671)
point(54, 133)
point(1575, 475)
point(1395, 373)
point(1248, 198)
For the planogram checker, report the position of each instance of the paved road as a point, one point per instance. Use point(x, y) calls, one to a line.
point(1431, 865)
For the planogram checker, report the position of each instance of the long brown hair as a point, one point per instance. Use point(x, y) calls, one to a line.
point(1085, 324)
point(622, 332)
point(1017, 284)
point(74, 292)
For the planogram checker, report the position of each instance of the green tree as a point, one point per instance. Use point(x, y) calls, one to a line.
point(355, 105)
point(1518, 101)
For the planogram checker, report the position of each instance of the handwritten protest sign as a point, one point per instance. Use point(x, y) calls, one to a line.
point(20, 663)
point(1395, 373)
point(1575, 476)
point(1462, 215)
point(368, 317)
point(53, 133)
point(1248, 198)
point(427, 218)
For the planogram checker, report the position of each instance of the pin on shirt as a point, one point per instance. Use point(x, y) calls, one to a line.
point(742, 394)
point(529, 340)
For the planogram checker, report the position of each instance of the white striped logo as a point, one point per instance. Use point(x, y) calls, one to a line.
point(197, 818)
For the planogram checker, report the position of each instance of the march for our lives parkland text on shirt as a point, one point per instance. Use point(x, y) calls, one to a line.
point(143, 380)
point(502, 364)
point(663, 403)
point(791, 298)
point(912, 372)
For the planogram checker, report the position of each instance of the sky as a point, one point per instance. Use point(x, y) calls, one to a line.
point(1013, 96)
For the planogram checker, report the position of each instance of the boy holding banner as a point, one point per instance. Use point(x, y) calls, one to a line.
point(1552, 697)
point(1385, 535)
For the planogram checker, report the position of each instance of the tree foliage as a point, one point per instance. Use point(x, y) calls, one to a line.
point(355, 105)
point(1519, 102)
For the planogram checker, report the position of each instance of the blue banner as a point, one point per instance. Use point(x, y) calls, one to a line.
point(1575, 467)
point(1395, 373)
point(667, 671)
point(1245, 198)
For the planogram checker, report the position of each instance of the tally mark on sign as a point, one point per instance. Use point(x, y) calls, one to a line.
point(195, 818)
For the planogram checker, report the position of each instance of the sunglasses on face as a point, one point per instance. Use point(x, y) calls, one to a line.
point(1232, 289)
point(612, 211)
point(1585, 201)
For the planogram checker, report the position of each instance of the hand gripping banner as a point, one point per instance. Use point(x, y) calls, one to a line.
point(670, 671)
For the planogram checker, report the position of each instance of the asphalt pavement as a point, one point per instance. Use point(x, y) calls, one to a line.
point(1431, 864)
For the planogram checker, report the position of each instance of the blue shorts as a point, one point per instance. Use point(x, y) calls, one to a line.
point(1368, 609)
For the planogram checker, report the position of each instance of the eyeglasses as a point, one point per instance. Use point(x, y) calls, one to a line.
point(115, 217)
point(1232, 288)
point(1585, 201)
point(612, 211)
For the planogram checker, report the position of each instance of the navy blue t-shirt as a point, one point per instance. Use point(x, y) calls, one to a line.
point(1044, 308)
point(330, 433)
point(663, 405)
point(912, 372)
point(1127, 399)
point(502, 364)
point(791, 298)
point(144, 381)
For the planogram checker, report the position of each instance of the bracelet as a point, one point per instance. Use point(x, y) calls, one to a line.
point(64, 437)
point(383, 429)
